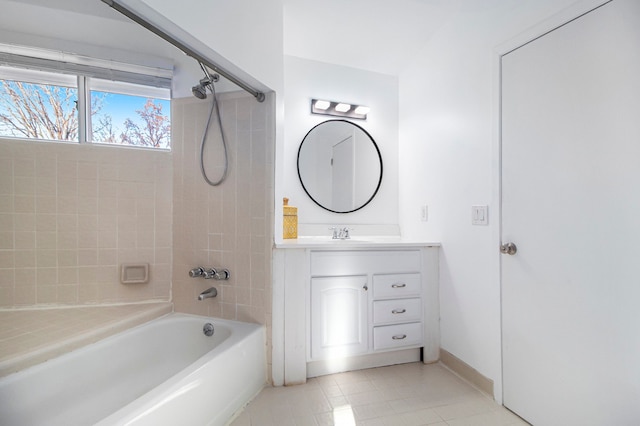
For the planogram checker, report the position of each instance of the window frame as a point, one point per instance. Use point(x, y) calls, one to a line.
point(107, 76)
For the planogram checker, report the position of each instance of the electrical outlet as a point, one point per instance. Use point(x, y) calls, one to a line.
point(424, 213)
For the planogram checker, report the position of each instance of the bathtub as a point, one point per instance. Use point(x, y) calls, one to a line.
point(165, 372)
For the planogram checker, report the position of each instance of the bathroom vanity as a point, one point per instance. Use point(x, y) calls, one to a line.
point(342, 305)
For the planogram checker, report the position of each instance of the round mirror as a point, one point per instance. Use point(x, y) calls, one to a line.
point(340, 166)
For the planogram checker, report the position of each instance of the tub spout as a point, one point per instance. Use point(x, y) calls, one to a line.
point(212, 292)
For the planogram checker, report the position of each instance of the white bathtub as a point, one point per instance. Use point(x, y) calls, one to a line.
point(165, 372)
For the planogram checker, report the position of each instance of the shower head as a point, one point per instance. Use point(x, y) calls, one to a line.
point(200, 90)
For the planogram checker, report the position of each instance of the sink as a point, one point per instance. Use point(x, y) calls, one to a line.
point(329, 239)
point(353, 240)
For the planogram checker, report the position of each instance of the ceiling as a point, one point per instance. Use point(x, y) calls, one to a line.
point(95, 8)
point(95, 22)
point(375, 35)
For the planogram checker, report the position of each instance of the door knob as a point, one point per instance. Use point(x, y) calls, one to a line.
point(508, 248)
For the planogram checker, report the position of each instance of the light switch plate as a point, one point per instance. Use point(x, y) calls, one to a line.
point(424, 213)
point(479, 215)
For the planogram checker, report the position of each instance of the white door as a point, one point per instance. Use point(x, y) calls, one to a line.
point(571, 205)
point(342, 175)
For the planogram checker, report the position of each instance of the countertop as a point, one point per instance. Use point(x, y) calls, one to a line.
point(355, 242)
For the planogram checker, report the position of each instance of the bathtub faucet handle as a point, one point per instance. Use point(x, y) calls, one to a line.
point(220, 275)
point(196, 272)
point(209, 273)
point(223, 275)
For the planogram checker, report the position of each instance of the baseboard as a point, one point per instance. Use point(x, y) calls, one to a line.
point(332, 366)
point(468, 373)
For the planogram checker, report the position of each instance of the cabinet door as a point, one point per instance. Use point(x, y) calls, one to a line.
point(338, 316)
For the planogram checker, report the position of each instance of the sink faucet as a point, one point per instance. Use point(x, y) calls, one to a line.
point(211, 292)
point(340, 233)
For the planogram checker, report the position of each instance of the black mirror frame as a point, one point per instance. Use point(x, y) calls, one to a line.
point(375, 145)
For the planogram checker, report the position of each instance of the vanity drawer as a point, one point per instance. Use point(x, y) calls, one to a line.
point(396, 285)
point(344, 262)
point(398, 310)
point(395, 336)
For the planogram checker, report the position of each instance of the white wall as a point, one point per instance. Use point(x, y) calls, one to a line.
point(449, 156)
point(246, 35)
point(304, 80)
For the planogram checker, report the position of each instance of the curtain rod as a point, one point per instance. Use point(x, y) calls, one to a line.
point(186, 49)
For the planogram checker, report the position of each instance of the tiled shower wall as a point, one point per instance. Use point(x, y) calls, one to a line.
point(230, 225)
point(71, 214)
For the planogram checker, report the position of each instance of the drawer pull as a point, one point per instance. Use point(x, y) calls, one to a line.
point(399, 311)
point(399, 337)
point(400, 285)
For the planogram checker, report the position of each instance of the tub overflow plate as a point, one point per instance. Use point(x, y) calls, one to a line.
point(208, 329)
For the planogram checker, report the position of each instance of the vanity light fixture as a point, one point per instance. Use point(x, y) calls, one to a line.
point(340, 109)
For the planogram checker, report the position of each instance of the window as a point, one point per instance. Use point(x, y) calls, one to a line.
point(52, 106)
point(129, 114)
point(38, 105)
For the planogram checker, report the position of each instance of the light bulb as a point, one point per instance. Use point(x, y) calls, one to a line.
point(322, 105)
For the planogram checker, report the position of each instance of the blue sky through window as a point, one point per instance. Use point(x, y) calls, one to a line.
point(120, 107)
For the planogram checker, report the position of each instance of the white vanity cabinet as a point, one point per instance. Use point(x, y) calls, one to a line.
point(364, 301)
point(345, 307)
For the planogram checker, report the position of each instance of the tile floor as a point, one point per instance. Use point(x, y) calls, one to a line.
point(400, 395)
